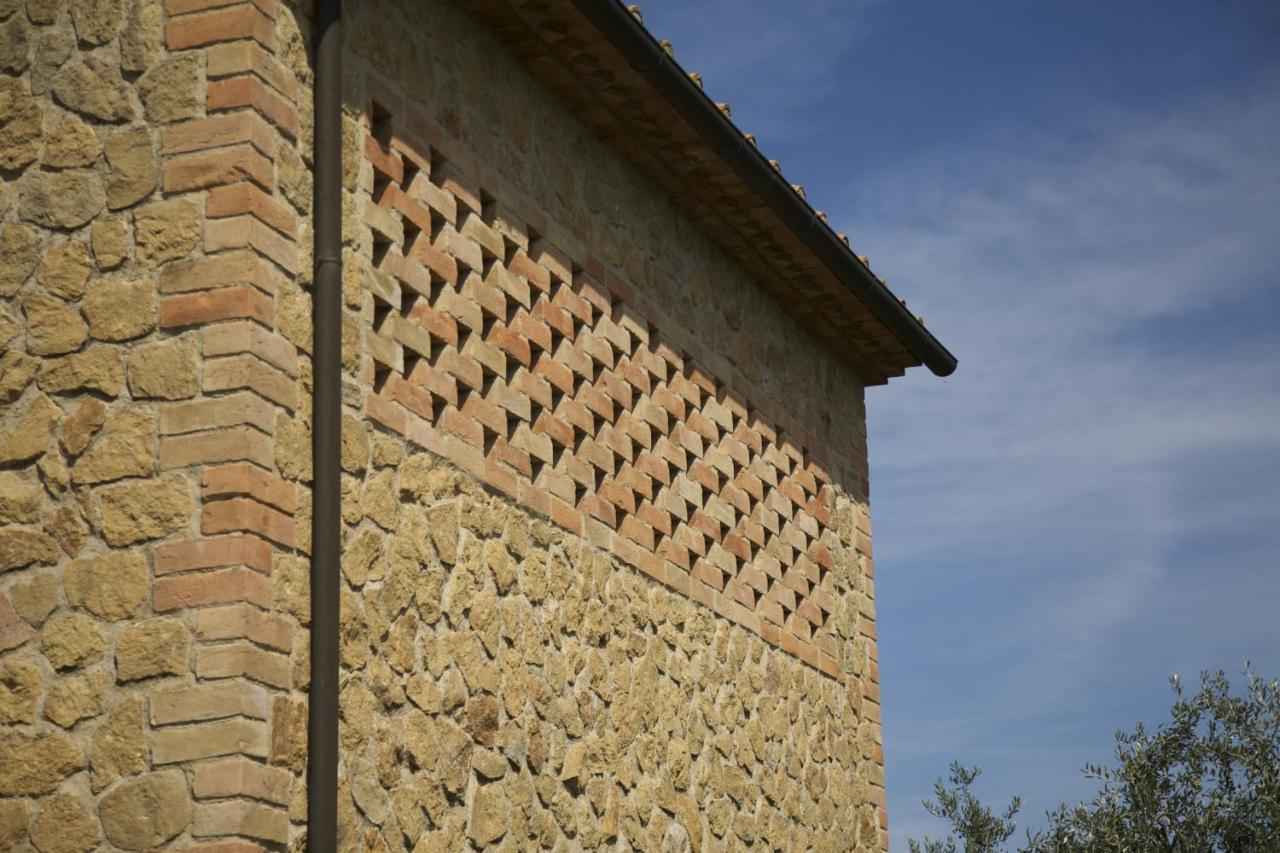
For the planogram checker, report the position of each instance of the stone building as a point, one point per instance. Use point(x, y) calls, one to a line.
point(437, 430)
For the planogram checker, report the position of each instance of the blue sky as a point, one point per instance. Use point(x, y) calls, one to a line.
point(1083, 199)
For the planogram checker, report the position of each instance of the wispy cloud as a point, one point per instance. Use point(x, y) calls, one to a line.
point(1102, 289)
point(769, 60)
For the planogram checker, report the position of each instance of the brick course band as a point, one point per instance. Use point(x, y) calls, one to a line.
point(524, 368)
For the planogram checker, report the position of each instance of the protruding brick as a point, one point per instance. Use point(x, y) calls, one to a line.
point(245, 371)
point(213, 552)
point(228, 303)
point(244, 621)
point(202, 702)
point(241, 57)
point(224, 445)
point(250, 481)
point(235, 736)
point(225, 269)
point(241, 817)
point(243, 514)
point(218, 131)
point(240, 232)
point(249, 91)
point(246, 198)
point(236, 22)
point(241, 777)
point(221, 166)
point(214, 412)
point(224, 586)
point(244, 336)
point(240, 658)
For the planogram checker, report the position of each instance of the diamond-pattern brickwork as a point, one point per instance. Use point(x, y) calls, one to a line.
point(545, 377)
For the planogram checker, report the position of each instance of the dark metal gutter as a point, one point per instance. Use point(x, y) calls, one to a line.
point(648, 58)
point(326, 437)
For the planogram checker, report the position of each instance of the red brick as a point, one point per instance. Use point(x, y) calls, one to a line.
point(241, 478)
point(246, 371)
point(240, 658)
point(244, 621)
point(212, 412)
point(241, 777)
point(249, 232)
point(223, 270)
point(501, 477)
point(237, 22)
point(186, 7)
point(245, 336)
point(218, 131)
point(241, 57)
point(386, 413)
point(227, 303)
point(247, 199)
point(221, 166)
point(213, 552)
point(200, 702)
point(244, 514)
point(224, 445)
point(223, 586)
point(383, 160)
point(250, 91)
point(241, 817)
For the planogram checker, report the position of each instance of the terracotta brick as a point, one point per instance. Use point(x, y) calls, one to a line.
point(229, 165)
point(240, 658)
point(234, 736)
point(251, 481)
point(250, 91)
point(224, 586)
point(240, 232)
point(245, 336)
point(213, 552)
point(245, 371)
point(223, 270)
point(241, 817)
point(227, 303)
point(246, 198)
point(243, 514)
point(244, 621)
point(229, 59)
point(223, 445)
point(185, 7)
point(202, 702)
point(213, 412)
point(387, 413)
point(236, 22)
point(241, 777)
point(218, 131)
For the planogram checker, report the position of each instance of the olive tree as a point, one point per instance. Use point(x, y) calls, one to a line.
point(1206, 781)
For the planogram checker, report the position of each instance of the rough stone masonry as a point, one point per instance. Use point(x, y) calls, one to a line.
point(606, 562)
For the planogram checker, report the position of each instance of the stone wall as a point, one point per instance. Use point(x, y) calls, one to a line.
point(607, 574)
point(154, 333)
point(607, 571)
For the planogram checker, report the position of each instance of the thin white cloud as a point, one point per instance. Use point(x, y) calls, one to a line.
point(1088, 291)
point(769, 60)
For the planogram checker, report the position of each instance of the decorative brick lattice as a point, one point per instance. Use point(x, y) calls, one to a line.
point(528, 370)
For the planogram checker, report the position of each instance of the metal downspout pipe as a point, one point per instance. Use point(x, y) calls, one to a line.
point(326, 422)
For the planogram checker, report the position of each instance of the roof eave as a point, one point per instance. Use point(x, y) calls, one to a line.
point(629, 37)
